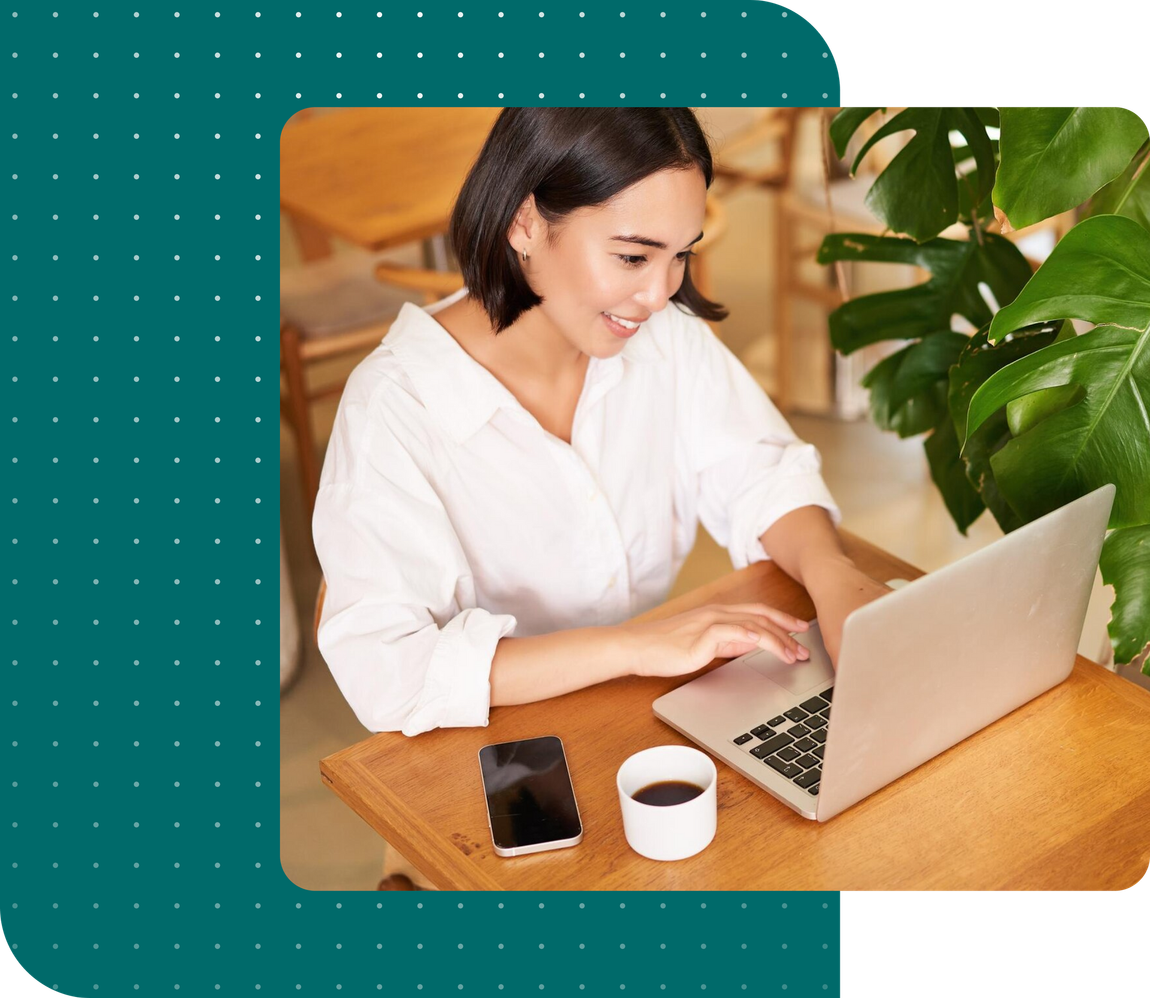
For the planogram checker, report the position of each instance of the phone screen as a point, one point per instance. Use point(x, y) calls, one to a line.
point(529, 794)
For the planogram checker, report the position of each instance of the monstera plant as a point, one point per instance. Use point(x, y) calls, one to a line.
point(1026, 413)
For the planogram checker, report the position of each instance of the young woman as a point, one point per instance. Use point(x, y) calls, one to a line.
point(518, 470)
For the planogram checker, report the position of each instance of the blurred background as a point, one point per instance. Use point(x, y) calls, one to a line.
point(365, 195)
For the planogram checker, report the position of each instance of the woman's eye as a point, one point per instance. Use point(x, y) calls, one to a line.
point(636, 261)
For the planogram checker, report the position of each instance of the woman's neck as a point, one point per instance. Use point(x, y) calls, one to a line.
point(530, 348)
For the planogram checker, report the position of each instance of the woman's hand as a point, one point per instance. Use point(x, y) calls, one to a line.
point(838, 587)
point(687, 641)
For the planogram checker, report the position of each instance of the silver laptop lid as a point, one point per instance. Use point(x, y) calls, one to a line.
point(936, 661)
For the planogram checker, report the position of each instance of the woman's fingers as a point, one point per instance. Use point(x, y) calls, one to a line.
point(781, 643)
point(755, 634)
point(719, 637)
point(779, 632)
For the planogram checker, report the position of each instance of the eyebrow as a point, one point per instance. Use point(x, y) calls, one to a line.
point(645, 241)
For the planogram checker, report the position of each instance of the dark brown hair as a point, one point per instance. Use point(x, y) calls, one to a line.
point(569, 158)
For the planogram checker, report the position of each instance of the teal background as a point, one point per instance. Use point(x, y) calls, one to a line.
point(139, 837)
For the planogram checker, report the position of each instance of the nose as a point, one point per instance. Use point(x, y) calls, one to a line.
point(660, 285)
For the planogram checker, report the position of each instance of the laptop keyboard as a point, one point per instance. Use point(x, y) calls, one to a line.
point(792, 743)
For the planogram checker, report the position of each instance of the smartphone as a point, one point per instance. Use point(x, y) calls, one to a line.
point(530, 800)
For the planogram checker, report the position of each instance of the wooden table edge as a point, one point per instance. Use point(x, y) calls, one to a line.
point(338, 773)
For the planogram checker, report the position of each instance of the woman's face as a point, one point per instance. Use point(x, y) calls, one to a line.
point(619, 261)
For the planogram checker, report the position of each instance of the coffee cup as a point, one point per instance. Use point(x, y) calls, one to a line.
point(675, 814)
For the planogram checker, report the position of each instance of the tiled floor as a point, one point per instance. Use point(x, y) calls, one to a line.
point(881, 483)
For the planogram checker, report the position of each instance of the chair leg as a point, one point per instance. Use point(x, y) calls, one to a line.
point(299, 416)
point(314, 242)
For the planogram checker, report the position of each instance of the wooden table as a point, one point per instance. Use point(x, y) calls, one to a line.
point(961, 821)
point(378, 177)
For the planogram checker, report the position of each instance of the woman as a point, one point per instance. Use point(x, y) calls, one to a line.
point(518, 470)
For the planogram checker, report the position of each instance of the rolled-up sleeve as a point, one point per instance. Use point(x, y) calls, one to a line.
point(403, 640)
point(750, 466)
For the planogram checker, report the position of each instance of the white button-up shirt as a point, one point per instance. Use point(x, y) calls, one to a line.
point(448, 518)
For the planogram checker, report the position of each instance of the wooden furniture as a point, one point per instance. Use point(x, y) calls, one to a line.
point(761, 154)
point(714, 228)
point(342, 305)
point(380, 177)
point(1054, 796)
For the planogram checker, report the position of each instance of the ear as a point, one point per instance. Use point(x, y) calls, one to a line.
point(527, 228)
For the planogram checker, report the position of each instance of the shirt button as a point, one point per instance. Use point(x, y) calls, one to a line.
point(592, 496)
point(612, 580)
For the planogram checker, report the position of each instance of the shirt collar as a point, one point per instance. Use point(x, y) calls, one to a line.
point(459, 391)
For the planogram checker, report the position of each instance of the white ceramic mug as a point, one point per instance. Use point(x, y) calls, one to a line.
point(675, 831)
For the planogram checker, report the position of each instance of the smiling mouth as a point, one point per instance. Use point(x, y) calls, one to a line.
point(628, 323)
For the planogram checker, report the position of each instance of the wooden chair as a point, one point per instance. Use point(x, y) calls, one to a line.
point(335, 307)
point(761, 154)
point(739, 158)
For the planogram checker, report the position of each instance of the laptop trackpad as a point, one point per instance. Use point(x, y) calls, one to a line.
point(801, 676)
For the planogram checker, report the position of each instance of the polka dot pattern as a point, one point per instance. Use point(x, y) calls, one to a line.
point(140, 365)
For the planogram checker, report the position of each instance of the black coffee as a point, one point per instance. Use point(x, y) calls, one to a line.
point(667, 793)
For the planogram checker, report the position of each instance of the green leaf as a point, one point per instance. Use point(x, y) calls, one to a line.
point(977, 362)
point(917, 193)
point(948, 470)
point(969, 186)
point(1125, 565)
point(908, 389)
point(1103, 438)
point(1129, 195)
point(1054, 158)
point(912, 415)
point(973, 189)
point(1099, 272)
point(927, 363)
point(1032, 409)
point(989, 116)
point(956, 268)
point(845, 124)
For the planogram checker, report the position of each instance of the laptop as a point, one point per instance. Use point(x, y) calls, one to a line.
point(919, 670)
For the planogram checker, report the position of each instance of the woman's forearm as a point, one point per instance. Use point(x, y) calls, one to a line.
point(548, 665)
point(803, 543)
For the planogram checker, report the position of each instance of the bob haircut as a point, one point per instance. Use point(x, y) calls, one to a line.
point(569, 158)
